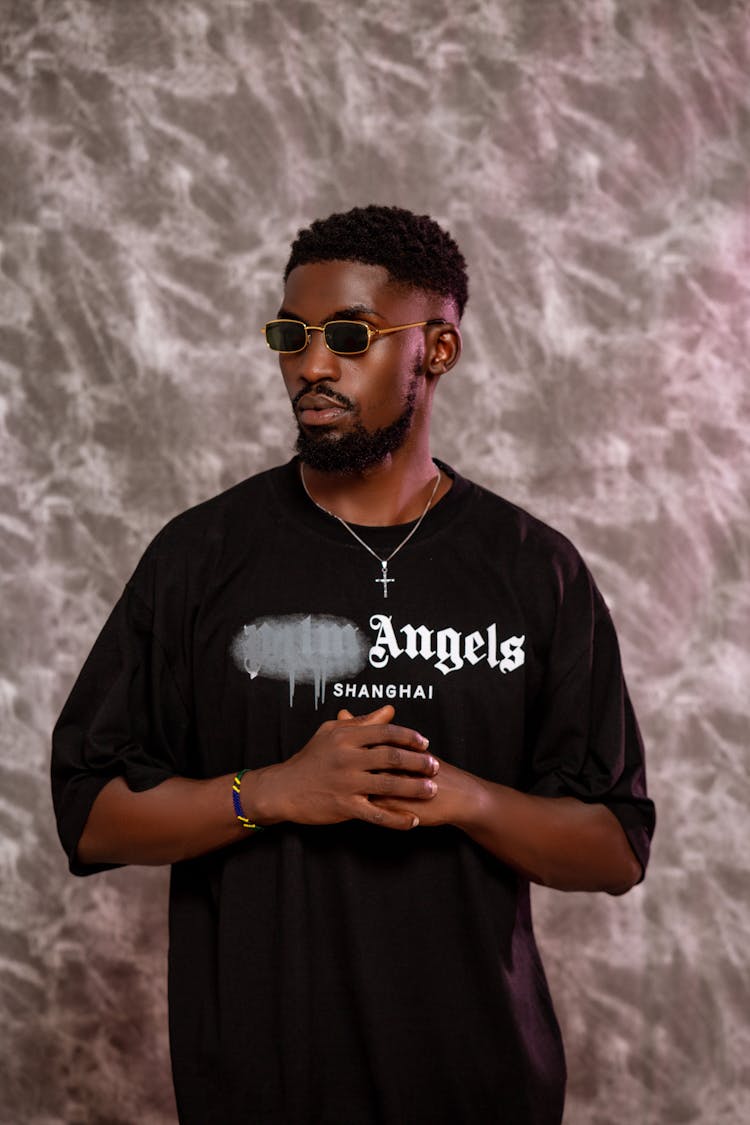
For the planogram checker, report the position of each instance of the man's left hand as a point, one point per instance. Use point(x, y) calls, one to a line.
point(456, 801)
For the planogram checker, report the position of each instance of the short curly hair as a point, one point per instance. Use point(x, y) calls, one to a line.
point(413, 248)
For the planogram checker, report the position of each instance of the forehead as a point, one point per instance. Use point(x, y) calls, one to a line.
point(320, 289)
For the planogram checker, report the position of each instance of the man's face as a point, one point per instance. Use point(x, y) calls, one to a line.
point(353, 411)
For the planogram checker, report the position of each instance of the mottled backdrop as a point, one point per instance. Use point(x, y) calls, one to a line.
point(591, 157)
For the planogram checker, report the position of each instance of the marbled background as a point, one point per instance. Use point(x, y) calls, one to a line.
point(591, 157)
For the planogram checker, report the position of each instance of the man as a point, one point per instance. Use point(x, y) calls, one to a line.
point(359, 703)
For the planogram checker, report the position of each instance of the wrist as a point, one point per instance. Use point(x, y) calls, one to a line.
point(259, 796)
point(474, 804)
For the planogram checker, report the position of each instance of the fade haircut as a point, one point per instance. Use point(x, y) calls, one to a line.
point(414, 250)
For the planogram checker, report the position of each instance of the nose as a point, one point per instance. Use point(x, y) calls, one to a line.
point(316, 364)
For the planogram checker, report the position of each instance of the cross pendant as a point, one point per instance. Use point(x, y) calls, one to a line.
point(385, 579)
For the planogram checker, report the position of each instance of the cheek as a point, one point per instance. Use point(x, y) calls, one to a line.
point(410, 359)
point(394, 373)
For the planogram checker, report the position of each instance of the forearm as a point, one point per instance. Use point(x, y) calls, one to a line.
point(328, 781)
point(556, 841)
point(179, 819)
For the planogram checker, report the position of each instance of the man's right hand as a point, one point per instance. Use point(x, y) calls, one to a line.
point(330, 778)
point(327, 781)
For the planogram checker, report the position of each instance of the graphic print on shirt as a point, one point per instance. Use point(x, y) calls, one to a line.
point(314, 648)
point(305, 649)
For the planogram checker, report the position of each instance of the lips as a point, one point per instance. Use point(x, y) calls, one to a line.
point(319, 410)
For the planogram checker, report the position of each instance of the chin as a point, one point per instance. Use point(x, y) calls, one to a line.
point(355, 450)
point(335, 453)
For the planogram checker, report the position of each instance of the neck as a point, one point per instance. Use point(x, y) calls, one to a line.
point(389, 493)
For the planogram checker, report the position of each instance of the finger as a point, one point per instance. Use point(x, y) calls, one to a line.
point(385, 818)
point(392, 735)
point(400, 785)
point(390, 757)
point(383, 714)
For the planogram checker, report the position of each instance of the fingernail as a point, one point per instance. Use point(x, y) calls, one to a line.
point(425, 741)
point(415, 821)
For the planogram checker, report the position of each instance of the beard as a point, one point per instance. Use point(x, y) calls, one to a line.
point(358, 449)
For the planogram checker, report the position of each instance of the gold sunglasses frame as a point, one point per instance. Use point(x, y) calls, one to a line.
point(372, 333)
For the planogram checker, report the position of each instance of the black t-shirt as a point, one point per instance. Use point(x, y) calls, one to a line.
point(350, 974)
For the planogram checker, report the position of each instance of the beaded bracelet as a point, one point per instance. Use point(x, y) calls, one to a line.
point(244, 821)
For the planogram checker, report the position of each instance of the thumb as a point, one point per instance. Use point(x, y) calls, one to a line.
point(382, 715)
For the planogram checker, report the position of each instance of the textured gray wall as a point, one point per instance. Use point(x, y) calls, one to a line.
point(591, 157)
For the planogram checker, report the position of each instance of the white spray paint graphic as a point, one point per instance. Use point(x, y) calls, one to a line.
point(305, 649)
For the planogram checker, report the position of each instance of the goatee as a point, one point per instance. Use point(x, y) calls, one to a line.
point(359, 448)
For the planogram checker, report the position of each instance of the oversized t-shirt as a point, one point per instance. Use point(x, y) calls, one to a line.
point(351, 974)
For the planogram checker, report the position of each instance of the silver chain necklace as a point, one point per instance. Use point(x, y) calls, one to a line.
point(384, 579)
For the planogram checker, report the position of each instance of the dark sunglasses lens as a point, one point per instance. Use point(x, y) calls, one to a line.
point(346, 336)
point(286, 335)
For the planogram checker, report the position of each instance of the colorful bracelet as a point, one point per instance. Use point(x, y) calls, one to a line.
point(244, 821)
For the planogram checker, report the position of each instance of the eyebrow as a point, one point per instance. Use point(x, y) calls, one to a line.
point(353, 312)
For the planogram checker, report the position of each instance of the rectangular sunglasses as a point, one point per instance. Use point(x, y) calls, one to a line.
point(343, 337)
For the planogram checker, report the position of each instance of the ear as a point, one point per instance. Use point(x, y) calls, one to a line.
point(445, 349)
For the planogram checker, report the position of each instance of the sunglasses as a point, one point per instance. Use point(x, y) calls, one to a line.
point(343, 337)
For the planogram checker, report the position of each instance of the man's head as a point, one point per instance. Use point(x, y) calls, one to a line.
point(416, 252)
point(381, 268)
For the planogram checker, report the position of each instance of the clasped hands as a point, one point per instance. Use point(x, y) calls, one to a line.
point(365, 767)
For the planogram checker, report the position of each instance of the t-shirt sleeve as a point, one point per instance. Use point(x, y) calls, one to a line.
point(587, 743)
point(125, 716)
